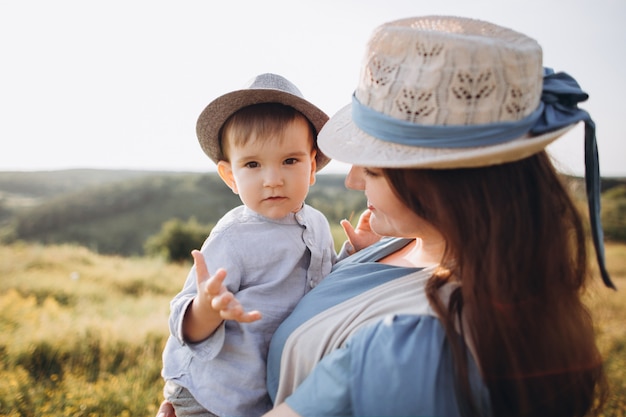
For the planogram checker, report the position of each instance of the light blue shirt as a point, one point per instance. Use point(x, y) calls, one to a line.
point(270, 265)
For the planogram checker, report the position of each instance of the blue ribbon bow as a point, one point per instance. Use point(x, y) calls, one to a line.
point(561, 95)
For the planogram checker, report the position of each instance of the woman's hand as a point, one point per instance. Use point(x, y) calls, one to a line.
point(363, 235)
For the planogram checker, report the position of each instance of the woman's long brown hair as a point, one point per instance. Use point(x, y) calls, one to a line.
point(516, 244)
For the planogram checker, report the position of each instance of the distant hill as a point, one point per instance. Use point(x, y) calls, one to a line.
point(115, 212)
point(43, 184)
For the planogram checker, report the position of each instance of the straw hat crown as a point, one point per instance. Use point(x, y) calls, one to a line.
point(441, 71)
point(438, 71)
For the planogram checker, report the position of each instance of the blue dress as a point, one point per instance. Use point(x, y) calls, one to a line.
point(401, 366)
point(366, 342)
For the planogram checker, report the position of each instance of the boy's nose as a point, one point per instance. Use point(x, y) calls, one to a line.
point(272, 177)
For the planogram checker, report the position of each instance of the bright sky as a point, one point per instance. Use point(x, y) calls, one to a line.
point(120, 83)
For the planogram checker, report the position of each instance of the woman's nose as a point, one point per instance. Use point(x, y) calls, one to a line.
point(354, 179)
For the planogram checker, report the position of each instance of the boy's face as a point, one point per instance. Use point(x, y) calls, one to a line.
point(272, 175)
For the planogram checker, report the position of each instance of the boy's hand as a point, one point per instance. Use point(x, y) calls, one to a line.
point(213, 294)
point(363, 235)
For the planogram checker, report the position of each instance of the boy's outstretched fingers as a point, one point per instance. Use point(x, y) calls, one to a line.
point(200, 263)
point(231, 309)
point(213, 286)
point(221, 299)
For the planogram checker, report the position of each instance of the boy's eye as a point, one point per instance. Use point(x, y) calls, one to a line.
point(290, 161)
point(252, 164)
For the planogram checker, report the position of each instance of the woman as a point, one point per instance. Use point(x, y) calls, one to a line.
point(446, 133)
point(472, 303)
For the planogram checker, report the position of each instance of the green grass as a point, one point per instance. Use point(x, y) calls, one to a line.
point(81, 334)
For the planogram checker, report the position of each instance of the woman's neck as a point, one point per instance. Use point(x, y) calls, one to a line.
point(418, 253)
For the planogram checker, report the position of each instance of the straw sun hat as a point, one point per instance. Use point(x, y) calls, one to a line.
point(441, 73)
point(264, 88)
point(450, 92)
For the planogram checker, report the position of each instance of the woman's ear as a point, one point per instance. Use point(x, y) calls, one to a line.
point(225, 171)
point(313, 166)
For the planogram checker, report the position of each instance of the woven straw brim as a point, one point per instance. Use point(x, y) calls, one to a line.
point(342, 140)
point(218, 111)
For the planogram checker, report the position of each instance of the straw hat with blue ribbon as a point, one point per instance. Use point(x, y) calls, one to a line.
point(448, 92)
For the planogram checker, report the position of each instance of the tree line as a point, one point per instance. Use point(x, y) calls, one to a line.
point(134, 213)
point(122, 217)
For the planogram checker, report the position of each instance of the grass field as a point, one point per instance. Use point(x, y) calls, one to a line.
point(81, 334)
point(609, 311)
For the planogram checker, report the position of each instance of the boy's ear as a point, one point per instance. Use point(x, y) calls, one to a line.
point(225, 172)
point(313, 166)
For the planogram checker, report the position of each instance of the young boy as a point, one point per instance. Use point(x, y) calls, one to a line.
point(274, 247)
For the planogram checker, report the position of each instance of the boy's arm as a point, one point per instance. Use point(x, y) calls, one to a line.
point(212, 304)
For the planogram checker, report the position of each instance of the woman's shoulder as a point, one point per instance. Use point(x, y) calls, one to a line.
point(409, 340)
point(411, 357)
point(413, 346)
